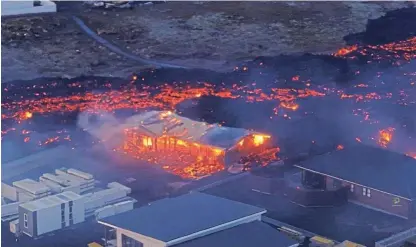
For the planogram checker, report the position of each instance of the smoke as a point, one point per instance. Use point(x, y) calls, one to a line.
point(103, 126)
point(382, 97)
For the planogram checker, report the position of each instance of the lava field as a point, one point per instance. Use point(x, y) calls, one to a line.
point(365, 92)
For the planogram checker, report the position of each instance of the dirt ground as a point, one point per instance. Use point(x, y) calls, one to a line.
point(212, 35)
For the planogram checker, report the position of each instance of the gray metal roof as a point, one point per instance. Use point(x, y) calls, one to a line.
point(251, 234)
point(172, 218)
point(224, 137)
point(372, 167)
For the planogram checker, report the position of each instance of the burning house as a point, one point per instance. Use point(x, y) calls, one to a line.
point(370, 176)
point(186, 147)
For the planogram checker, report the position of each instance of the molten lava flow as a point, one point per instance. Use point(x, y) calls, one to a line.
point(162, 97)
point(17, 109)
point(340, 147)
point(405, 50)
point(385, 136)
point(345, 51)
point(26, 115)
point(289, 105)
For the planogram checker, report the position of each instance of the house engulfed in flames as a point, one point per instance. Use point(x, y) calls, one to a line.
point(186, 147)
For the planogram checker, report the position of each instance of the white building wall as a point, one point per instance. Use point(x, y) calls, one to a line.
point(78, 211)
point(48, 219)
point(147, 242)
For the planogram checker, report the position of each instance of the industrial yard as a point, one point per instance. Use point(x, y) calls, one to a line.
point(293, 142)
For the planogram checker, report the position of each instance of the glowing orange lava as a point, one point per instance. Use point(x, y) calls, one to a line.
point(385, 136)
point(340, 147)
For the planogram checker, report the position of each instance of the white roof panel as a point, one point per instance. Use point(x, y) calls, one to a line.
point(50, 201)
point(31, 186)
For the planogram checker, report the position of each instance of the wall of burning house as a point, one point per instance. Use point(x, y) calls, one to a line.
point(189, 159)
point(174, 153)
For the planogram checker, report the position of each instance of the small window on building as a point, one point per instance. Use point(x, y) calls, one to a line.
point(368, 193)
point(351, 187)
point(25, 220)
point(364, 191)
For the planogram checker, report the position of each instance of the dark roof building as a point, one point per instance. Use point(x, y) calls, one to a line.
point(373, 170)
point(173, 221)
point(372, 167)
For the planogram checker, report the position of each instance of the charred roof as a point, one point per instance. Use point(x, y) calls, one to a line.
point(372, 167)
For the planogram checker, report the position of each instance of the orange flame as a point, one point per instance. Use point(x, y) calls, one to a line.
point(259, 139)
point(385, 137)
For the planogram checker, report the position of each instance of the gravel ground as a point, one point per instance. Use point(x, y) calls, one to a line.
point(213, 35)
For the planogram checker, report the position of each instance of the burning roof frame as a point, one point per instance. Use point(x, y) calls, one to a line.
point(399, 168)
point(146, 122)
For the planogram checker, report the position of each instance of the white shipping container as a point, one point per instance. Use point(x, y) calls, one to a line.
point(110, 194)
point(81, 174)
point(55, 187)
point(24, 197)
point(75, 189)
point(104, 212)
point(10, 209)
point(31, 186)
point(122, 207)
point(8, 192)
point(119, 186)
point(48, 218)
point(101, 198)
point(46, 213)
point(72, 178)
point(56, 179)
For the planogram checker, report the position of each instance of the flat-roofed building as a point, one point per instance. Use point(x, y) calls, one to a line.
point(51, 213)
point(192, 217)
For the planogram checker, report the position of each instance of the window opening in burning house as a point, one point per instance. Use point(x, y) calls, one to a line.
point(352, 188)
point(364, 191)
point(368, 193)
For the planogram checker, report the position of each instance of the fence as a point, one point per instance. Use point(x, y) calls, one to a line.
point(397, 239)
